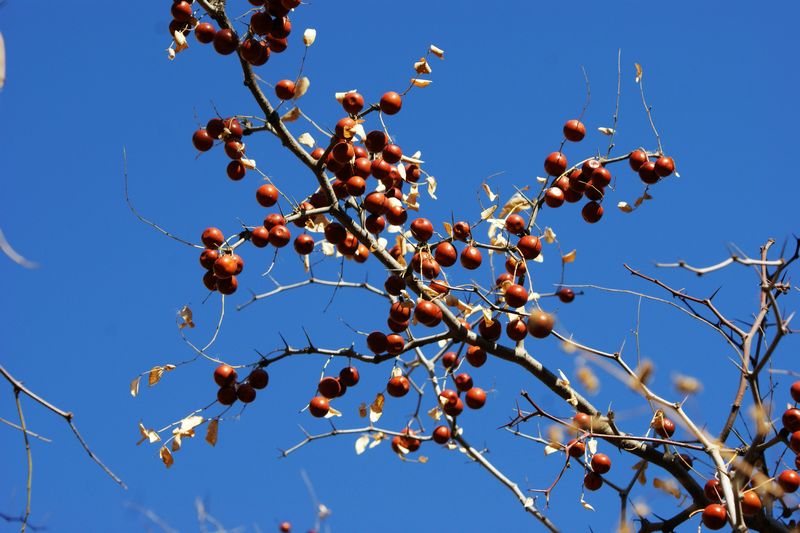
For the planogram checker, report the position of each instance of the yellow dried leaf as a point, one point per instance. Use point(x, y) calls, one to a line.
point(588, 379)
point(438, 52)
point(362, 410)
point(549, 235)
point(638, 72)
point(606, 131)
point(212, 432)
point(376, 408)
point(291, 115)
point(516, 203)
point(586, 505)
point(166, 456)
point(135, 386)
point(423, 459)
point(488, 212)
point(422, 66)
point(435, 413)
point(301, 87)
point(191, 422)
point(185, 315)
point(624, 207)
point(668, 486)
point(306, 140)
point(155, 375)
point(569, 257)
point(431, 187)
point(448, 228)
point(420, 83)
point(492, 196)
point(176, 443)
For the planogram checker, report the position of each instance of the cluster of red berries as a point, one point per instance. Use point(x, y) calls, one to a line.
point(592, 178)
point(789, 480)
point(267, 33)
point(332, 387)
point(222, 264)
point(229, 131)
point(231, 390)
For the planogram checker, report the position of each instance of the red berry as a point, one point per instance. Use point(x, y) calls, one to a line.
point(574, 130)
point(441, 435)
point(555, 164)
point(236, 170)
point(529, 247)
point(210, 281)
point(224, 375)
point(540, 324)
point(226, 395)
point(592, 212)
point(664, 166)
point(234, 149)
point(284, 89)
point(751, 503)
point(592, 481)
point(789, 480)
point(576, 448)
point(554, 197)
point(377, 342)
point(636, 159)
point(450, 360)
point(391, 103)
point(258, 378)
point(795, 391)
point(267, 195)
point(790, 418)
point(226, 42)
point(397, 216)
point(335, 233)
point(246, 393)
point(281, 27)
point(516, 296)
point(353, 103)
point(565, 294)
point(476, 356)
point(664, 427)
point(260, 23)
point(471, 258)
point(204, 32)
point(279, 236)
point(601, 463)
point(285, 527)
point(208, 258)
point(225, 266)
point(376, 141)
point(453, 408)
point(202, 140)
point(476, 398)
point(422, 229)
point(516, 329)
point(181, 11)
point(713, 490)
point(319, 406)
point(304, 244)
point(463, 382)
point(398, 386)
point(259, 237)
point(395, 344)
point(428, 313)
point(647, 173)
point(715, 516)
point(329, 387)
point(349, 376)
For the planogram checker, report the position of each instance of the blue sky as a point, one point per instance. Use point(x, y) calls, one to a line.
point(82, 83)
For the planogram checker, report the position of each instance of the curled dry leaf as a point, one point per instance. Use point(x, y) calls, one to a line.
point(624, 207)
point(166, 456)
point(586, 506)
point(362, 410)
point(638, 72)
point(361, 443)
point(135, 386)
point(340, 96)
point(422, 66)
point(431, 187)
point(606, 131)
point(248, 163)
point(591, 445)
point(668, 486)
point(291, 115)
point(376, 408)
point(549, 235)
point(492, 196)
point(170, 53)
point(333, 412)
point(516, 203)
point(488, 212)
point(435, 50)
point(306, 140)
point(301, 87)
point(569, 257)
point(420, 83)
point(212, 432)
point(423, 459)
point(377, 438)
point(185, 316)
point(155, 375)
point(549, 449)
point(309, 36)
point(147, 435)
point(435, 413)
point(588, 379)
point(180, 41)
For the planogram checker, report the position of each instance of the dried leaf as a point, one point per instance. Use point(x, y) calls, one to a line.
point(376, 408)
point(176, 443)
point(638, 72)
point(569, 257)
point(422, 66)
point(309, 36)
point(248, 163)
point(328, 249)
point(423, 459)
point(212, 432)
point(166, 456)
point(155, 375)
point(333, 412)
point(185, 315)
point(377, 438)
point(591, 445)
point(420, 83)
point(687, 384)
point(362, 410)
point(435, 50)
point(624, 207)
point(516, 203)
point(135, 386)
point(588, 379)
point(606, 131)
point(550, 449)
point(361, 443)
point(147, 434)
point(549, 235)
point(301, 87)
point(306, 140)
point(191, 422)
point(291, 115)
point(586, 505)
point(489, 211)
point(668, 486)
point(340, 96)
point(170, 53)
point(431, 187)
point(435, 413)
point(492, 196)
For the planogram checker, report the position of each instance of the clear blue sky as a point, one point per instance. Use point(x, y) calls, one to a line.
point(84, 82)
